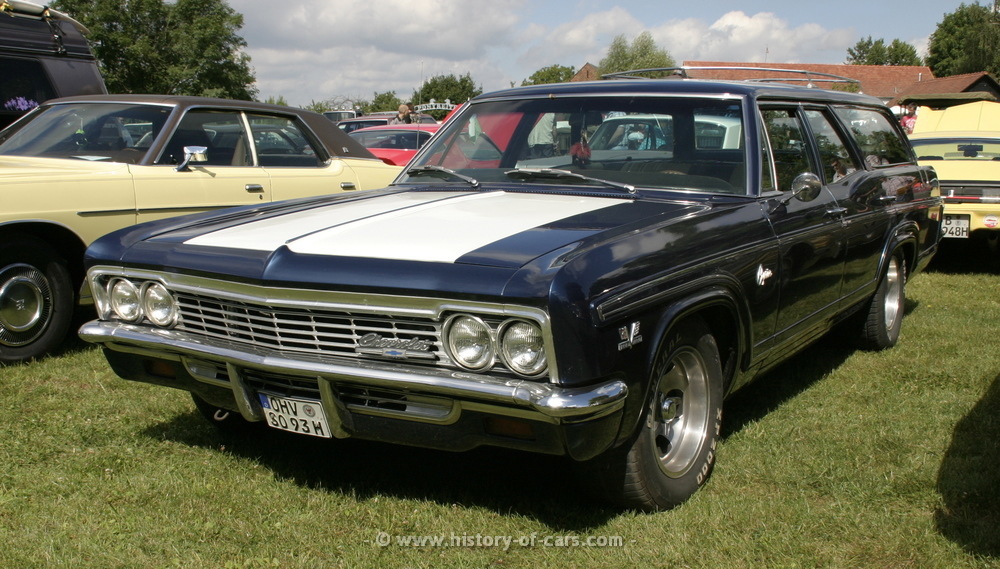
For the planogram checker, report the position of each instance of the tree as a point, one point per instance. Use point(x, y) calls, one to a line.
point(279, 100)
point(642, 54)
point(869, 52)
point(446, 88)
point(387, 101)
point(186, 47)
point(550, 74)
point(966, 41)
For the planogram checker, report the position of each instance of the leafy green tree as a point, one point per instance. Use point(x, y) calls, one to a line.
point(641, 54)
point(446, 88)
point(279, 100)
point(550, 74)
point(869, 52)
point(966, 41)
point(183, 47)
point(387, 101)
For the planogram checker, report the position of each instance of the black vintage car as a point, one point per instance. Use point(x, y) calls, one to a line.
point(518, 286)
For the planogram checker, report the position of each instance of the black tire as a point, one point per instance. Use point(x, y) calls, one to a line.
point(884, 319)
point(673, 451)
point(36, 299)
point(230, 422)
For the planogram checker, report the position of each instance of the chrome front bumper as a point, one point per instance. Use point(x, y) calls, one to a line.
point(497, 396)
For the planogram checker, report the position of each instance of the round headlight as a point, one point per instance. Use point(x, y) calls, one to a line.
point(159, 305)
point(522, 347)
point(124, 300)
point(469, 342)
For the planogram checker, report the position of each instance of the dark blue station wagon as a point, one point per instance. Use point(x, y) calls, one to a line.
point(583, 269)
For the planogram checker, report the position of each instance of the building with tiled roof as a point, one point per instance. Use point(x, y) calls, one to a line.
point(947, 91)
point(886, 82)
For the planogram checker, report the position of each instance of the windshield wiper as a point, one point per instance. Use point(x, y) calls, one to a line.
point(556, 174)
point(435, 170)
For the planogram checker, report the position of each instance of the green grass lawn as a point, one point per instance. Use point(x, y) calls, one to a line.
point(839, 458)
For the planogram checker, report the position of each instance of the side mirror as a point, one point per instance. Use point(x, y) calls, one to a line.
point(192, 154)
point(806, 187)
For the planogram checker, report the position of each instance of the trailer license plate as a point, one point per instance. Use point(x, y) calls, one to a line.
point(956, 225)
point(303, 416)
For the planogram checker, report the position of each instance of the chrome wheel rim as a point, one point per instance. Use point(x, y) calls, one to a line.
point(678, 418)
point(25, 304)
point(893, 293)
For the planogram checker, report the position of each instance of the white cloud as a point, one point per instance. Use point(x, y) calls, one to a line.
point(736, 36)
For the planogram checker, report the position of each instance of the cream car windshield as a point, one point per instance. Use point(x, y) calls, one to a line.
point(656, 143)
point(113, 132)
point(977, 149)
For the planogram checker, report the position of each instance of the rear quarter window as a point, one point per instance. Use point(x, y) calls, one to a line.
point(876, 134)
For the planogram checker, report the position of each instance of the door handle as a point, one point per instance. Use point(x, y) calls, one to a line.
point(254, 188)
point(836, 212)
point(887, 199)
point(348, 186)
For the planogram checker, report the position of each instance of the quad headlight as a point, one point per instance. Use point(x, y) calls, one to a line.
point(124, 300)
point(132, 301)
point(473, 344)
point(158, 304)
point(522, 347)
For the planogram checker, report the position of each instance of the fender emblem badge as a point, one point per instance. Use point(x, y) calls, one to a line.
point(629, 336)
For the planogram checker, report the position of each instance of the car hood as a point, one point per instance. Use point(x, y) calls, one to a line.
point(418, 239)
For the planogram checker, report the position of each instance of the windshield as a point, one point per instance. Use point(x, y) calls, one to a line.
point(114, 132)
point(643, 142)
point(957, 149)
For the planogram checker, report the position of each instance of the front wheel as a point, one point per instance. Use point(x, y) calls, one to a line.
point(673, 451)
point(36, 299)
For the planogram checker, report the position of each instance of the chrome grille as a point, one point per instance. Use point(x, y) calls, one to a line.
point(301, 330)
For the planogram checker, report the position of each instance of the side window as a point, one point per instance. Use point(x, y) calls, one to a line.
point(789, 145)
point(881, 143)
point(280, 141)
point(833, 154)
point(220, 132)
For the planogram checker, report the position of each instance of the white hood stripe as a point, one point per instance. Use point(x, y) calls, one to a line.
point(415, 226)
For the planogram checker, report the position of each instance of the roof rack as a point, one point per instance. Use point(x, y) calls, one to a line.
point(811, 77)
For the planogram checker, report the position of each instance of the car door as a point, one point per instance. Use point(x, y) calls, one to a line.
point(808, 223)
point(886, 180)
point(293, 161)
point(227, 177)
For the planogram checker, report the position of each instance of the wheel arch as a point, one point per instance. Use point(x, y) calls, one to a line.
point(63, 240)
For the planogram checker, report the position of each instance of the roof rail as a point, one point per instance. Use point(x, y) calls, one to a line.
point(682, 72)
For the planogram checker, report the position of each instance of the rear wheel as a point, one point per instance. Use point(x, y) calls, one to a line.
point(673, 451)
point(885, 313)
point(36, 299)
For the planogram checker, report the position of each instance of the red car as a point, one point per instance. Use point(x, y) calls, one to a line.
point(395, 144)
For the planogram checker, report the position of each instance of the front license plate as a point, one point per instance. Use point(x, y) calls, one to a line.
point(303, 416)
point(955, 225)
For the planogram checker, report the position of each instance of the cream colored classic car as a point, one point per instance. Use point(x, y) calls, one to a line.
point(962, 143)
point(79, 167)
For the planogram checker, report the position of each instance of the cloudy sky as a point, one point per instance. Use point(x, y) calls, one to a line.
point(315, 50)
